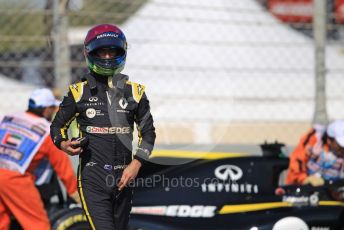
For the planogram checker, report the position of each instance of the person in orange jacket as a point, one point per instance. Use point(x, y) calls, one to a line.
point(319, 156)
point(24, 143)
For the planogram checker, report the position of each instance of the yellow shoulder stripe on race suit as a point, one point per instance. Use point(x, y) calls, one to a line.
point(77, 90)
point(137, 90)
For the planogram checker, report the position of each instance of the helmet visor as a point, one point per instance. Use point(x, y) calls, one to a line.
point(105, 42)
point(108, 52)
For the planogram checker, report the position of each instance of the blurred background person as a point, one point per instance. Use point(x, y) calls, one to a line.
point(24, 143)
point(318, 156)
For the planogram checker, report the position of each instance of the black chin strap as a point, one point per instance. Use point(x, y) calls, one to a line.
point(91, 81)
point(119, 80)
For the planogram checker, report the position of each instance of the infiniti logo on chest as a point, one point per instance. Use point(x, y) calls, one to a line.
point(93, 99)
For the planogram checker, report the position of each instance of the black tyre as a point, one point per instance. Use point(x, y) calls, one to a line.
point(70, 219)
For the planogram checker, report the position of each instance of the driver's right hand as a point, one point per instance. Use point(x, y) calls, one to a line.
point(67, 146)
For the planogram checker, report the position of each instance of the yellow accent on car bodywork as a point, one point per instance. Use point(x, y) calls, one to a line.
point(237, 208)
point(331, 203)
point(195, 154)
point(228, 209)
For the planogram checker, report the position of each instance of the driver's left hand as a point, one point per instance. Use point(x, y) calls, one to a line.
point(129, 174)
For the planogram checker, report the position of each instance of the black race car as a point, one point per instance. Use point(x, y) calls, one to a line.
point(232, 191)
point(193, 190)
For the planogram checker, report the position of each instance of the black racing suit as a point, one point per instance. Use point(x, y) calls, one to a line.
point(105, 110)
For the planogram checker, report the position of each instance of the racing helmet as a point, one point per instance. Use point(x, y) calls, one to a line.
point(105, 36)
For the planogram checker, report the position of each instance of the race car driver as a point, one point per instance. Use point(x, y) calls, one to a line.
point(106, 106)
point(319, 156)
point(24, 143)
